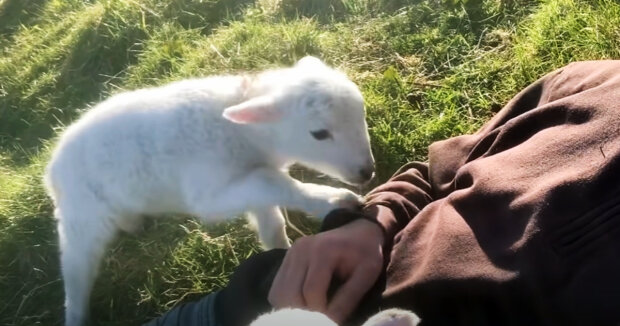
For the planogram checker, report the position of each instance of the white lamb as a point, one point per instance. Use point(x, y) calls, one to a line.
point(212, 148)
point(299, 317)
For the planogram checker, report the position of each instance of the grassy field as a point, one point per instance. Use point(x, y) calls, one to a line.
point(429, 69)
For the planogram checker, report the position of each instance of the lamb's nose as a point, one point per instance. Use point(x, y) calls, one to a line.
point(367, 173)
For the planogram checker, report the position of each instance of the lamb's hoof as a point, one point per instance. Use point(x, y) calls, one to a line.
point(349, 200)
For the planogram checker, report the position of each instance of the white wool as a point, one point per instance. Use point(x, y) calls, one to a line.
point(300, 317)
point(212, 148)
point(393, 317)
point(293, 317)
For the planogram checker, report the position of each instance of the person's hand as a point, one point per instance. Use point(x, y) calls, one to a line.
point(351, 253)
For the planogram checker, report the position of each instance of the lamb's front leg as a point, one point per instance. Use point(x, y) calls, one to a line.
point(263, 188)
point(270, 226)
point(319, 200)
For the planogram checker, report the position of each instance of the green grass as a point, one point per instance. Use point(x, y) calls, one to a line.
point(428, 69)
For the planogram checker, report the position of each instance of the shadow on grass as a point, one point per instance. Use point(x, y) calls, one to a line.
point(322, 10)
point(204, 15)
point(96, 59)
point(30, 286)
point(16, 13)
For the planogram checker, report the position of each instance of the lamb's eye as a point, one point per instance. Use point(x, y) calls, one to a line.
point(321, 134)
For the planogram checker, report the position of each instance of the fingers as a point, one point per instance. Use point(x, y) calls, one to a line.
point(303, 279)
point(352, 252)
point(317, 283)
point(351, 292)
point(286, 289)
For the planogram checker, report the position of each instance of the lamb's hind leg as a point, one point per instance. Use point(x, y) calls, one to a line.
point(83, 240)
point(271, 227)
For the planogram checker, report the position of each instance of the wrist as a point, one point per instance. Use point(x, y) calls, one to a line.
point(383, 217)
point(369, 218)
point(370, 230)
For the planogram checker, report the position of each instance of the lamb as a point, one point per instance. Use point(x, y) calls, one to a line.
point(212, 148)
point(290, 316)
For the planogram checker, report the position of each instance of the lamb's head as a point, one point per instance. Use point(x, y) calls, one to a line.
point(313, 115)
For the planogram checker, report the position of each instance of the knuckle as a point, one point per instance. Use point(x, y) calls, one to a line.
point(333, 244)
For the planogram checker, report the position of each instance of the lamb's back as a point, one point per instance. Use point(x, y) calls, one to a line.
point(143, 141)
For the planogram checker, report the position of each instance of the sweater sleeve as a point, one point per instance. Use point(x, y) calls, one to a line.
point(392, 204)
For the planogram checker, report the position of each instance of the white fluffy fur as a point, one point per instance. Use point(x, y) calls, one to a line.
point(212, 148)
point(299, 317)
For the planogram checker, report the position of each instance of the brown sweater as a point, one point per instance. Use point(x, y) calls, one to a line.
point(519, 223)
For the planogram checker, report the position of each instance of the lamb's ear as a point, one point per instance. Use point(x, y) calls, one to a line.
point(310, 61)
point(255, 110)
